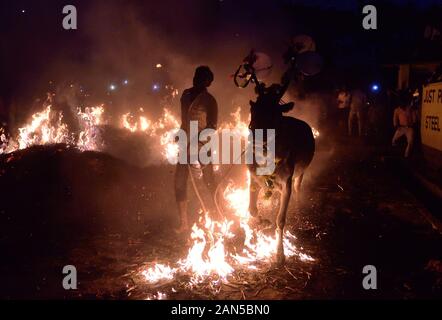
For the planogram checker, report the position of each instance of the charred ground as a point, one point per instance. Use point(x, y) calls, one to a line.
point(108, 218)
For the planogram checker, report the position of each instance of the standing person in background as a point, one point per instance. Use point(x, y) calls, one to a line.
point(373, 120)
point(358, 101)
point(404, 120)
point(344, 98)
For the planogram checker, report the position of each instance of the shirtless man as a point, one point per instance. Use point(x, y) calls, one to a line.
point(197, 104)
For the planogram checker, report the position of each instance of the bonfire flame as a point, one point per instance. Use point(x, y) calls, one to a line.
point(46, 127)
point(132, 125)
point(162, 131)
point(3, 141)
point(211, 255)
point(90, 120)
point(240, 126)
point(159, 272)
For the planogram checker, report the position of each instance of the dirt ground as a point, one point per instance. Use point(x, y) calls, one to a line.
point(355, 211)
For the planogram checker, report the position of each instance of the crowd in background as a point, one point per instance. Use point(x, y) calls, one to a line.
point(381, 116)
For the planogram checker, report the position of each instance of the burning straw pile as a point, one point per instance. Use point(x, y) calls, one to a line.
point(222, 253)
point(228, 253)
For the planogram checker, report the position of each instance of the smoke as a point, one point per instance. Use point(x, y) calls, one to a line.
point(120, 44)
point(310, 108)
point(125, 40)
point(313, 109)
point(119, 41)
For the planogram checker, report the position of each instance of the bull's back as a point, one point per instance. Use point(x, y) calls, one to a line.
point(296, 138)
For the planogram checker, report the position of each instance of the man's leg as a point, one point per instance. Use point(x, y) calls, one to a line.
point(410, 140)
point(181, 175)
point(360, 123)
point(337, 119)
point(398, 133)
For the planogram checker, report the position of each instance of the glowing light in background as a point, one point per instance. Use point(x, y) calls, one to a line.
point(375, 87)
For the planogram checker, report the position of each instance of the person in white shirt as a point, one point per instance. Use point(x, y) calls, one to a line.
point(343, 107)
point(358, 100)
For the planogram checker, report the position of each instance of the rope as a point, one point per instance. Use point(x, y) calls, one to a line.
point(196, 189)
point(215, 198)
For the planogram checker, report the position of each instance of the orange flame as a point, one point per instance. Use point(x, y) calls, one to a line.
point(209, 257)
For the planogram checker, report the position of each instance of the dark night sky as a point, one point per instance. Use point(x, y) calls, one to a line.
point(118, 38)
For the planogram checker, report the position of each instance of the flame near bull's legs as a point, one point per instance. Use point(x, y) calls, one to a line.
point(211, 255)
point(209, 258)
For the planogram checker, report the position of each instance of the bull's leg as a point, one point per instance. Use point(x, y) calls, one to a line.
point(280, 220)
point(297, 185)
point(257, 220)
point(298, 182)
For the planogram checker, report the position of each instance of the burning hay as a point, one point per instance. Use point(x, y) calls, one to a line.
point(220, 250)
point(47, 127)
point(221, 253)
